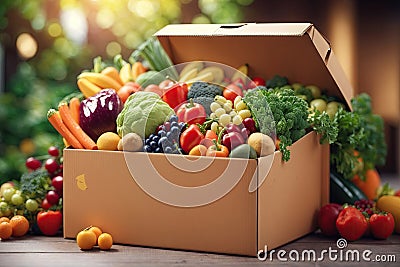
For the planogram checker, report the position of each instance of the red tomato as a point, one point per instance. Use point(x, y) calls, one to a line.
point(351, 223)
point(232, 91)
point(327, 218)
point(381, 225)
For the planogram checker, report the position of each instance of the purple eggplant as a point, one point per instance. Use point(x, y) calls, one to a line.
point(98, 114)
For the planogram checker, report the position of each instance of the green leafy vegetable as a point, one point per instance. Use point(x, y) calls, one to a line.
point(143, 112)
point(35, 184)
point(353, 136)
point(288, 111)
point(322, 124)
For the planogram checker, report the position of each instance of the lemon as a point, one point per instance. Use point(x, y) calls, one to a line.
point(108, 141)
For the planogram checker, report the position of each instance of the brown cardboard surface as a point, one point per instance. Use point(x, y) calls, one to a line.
point(293, 192)
point(114, 202)
point(282, 209)
point(295, 50)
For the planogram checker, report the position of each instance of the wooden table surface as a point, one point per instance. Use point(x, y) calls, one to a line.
point(57, 251)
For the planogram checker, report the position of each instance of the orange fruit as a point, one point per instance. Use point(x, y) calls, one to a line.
point(5, 230)
point(4, 219)
point(86, 239)
point(105, 241)
point(96, 230)
point(20, 225)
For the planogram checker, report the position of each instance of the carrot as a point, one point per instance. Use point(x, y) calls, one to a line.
point(74, 108)
point(54, 118)
point(75, 129)
point(371, 184)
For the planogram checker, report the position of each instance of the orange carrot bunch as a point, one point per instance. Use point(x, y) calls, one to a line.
point(66, 121)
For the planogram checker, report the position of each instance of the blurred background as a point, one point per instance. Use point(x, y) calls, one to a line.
point(45, 44)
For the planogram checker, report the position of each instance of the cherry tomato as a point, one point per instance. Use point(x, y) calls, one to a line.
point(52, 197)
point(258, 81)
point(57, 182)
point(53, 151)
point(45, 204)
point(51, 165)
point(33, 164)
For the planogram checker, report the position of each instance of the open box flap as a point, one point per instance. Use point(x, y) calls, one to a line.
point(295, 50)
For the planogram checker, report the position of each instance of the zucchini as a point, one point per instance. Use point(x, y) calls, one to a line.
point(343, 191)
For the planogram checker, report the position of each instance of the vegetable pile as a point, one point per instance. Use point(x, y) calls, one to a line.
point(150, 97)
point(37, 198)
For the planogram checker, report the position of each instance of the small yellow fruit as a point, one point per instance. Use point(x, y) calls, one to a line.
point(86, 239)
point(96, 230)
point(108, 141)
point(105, 241)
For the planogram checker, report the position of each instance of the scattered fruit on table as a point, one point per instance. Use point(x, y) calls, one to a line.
point(380, 217)
point(391, 204)
point(91, 236)
point(20, 225)
point(327, 217)
point(351, 223)
point(381, 225)
point(86, 239)
point(49, 222)
point(6, 230)
point(105, 241)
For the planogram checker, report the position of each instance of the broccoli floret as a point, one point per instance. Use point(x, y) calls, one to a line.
point(205, 102)
point(277, 81)
point(290, 115)
point(199, 89)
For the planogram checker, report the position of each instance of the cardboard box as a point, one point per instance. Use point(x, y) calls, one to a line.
point(121, 191)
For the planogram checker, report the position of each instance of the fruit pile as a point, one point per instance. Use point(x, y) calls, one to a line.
point(365, 218)
point(92, 236)
point(37, 197)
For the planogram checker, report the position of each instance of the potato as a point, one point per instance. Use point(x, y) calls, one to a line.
point(131, 142)
point(262, 144)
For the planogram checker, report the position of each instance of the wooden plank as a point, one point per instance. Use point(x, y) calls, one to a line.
point(53, 251)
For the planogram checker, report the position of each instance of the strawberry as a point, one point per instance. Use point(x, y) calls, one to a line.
point(381, 225)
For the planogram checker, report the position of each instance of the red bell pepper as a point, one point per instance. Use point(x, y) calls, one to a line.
point(176, 94)
point(351, 223)
point(191, 137)
point(49, 222)
point(381, 225)
point(191, 113)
